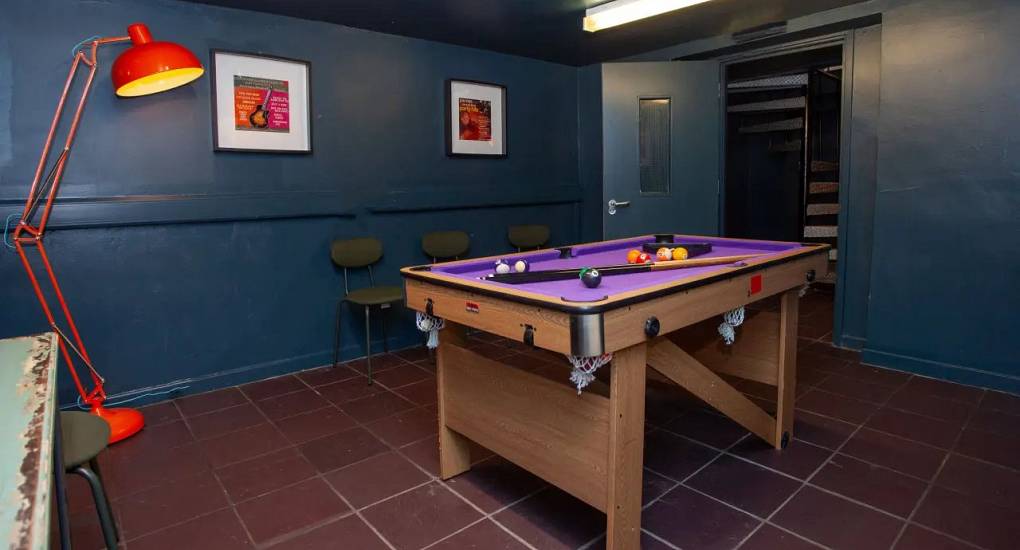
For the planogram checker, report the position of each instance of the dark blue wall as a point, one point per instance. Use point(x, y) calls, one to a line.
point(212, 268)
point(945, 299)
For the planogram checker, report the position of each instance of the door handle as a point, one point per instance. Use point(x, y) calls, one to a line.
point(614, 204)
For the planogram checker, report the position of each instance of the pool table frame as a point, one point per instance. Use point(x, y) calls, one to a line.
point(591, 445)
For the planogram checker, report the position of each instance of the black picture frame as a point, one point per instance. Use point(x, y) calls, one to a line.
point(212, 98)
point(448, 124)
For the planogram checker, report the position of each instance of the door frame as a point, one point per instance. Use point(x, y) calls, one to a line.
point(844, 39)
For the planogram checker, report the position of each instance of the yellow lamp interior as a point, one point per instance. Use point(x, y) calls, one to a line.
point(160, 82)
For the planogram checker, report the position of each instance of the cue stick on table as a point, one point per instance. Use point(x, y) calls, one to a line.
point(565, 274)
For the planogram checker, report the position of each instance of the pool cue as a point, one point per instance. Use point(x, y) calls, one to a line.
point(609, 270)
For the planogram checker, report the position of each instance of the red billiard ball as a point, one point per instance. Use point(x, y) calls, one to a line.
point(644, 258)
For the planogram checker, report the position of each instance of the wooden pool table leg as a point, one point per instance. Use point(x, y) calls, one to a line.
point(626, 447)
point(454, 449)
point(786, 375)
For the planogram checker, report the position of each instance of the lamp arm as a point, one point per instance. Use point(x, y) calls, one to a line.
point(26, 234)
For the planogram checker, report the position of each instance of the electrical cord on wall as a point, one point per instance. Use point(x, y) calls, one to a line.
point(82, 406)
point(7, 226)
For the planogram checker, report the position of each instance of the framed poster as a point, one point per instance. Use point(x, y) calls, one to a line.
point(260, 103)
point(475, 119)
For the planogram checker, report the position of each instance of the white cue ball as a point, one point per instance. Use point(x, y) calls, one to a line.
point(502, 267)
point(521, 266)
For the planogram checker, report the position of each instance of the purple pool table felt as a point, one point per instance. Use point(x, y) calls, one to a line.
point(615, 253)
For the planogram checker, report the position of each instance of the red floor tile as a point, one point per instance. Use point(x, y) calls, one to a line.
point(981, 480)
point(857, 389)
point(380, 363)
point(842, 408)
point(654, 486)
point(314, 424)
point(152, 440)
point(993, 421)
point(348, 532)
point(931, 431)
point(798, 459)
point(225, 421)
point(744, 485)
point(220, 530)
point(126, 475)
point(367, 409)
point(919, 538)
point(875, 375)
point(160, 413)
point(170, 503)
point(291, 404)
point(401, 375)
point(327, 375)
point(930, 406)
point(986, 525)
point(820, 430)
point(902, 455)
point(879, 487)
point(997, 448)
point(553, 520)
point(280, 512)
point(773, 538)
point(1002, 402)
point(484, 535)
point(251, 478)
point(837, 522)
point(194, 405)
point(708, 428)
point(349, 390)
point(413, 354)
point(674, 456)
point(690, 520)
point(405, 427)
point(495, 483)
point(342, 449)
point(376, 478)
point(421, 516)
point(242, 444)
point(943, 390)
point(420, 393)
point(272, 387)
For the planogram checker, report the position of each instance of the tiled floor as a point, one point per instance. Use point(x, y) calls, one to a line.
point(321, 460)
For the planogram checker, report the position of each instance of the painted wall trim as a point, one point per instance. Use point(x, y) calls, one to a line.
point(419, 201)
point(134, 210)
point(945, 371)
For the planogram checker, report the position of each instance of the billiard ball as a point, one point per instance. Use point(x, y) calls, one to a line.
point(664, 254)
point(679, 253)
point(502, 266)
point(644, 258)
point(591, 277)
point(522, 266)
point(632, 256)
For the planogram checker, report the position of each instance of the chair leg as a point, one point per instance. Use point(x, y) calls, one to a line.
point(336, 334)
point(385, 338)
point(102, 505)
point(94, 464)
point(368, 345)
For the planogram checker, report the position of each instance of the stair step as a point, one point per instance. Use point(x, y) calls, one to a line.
point(784, 81)
point(777, 126)
point(822, 209)
point(788, 104)
point(818, 231)
point(824, 166)
point(817, 187)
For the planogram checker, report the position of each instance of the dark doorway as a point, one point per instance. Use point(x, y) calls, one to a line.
point(782, 147)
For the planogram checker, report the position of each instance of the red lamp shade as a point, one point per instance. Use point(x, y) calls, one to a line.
point(149, 67)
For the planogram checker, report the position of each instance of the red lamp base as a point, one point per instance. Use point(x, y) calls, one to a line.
point(123, 422)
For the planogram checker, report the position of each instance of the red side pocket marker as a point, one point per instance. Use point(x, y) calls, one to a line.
point(755, 285)
point(471, 307)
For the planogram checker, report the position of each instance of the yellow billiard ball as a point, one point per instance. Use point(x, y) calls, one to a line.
point(679, 253)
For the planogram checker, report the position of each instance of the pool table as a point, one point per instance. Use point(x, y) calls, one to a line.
point(590, 443)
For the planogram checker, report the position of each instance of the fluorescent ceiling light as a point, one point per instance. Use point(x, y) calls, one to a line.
point(620, 12)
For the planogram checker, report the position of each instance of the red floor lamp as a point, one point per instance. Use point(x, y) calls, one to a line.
point(147, 67)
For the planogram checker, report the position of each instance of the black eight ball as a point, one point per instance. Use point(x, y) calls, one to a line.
point(591, 278)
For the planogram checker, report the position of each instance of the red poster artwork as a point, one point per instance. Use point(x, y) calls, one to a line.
point(475, 119)
point(261, 104)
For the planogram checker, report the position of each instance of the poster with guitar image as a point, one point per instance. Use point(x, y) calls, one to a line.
point(261, 104)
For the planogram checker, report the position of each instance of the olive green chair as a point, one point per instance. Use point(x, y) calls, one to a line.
point(445, 245)
point(83, 437)
point(525, 237)
point(356, 254)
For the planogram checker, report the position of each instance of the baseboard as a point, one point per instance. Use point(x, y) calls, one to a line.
point(855, 343)
point(233, 377)
point(945, 371)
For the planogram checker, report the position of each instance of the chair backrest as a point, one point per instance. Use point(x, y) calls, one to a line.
point(361, 252)
point(528, 236)
point(355, 253)
point(444, 245)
